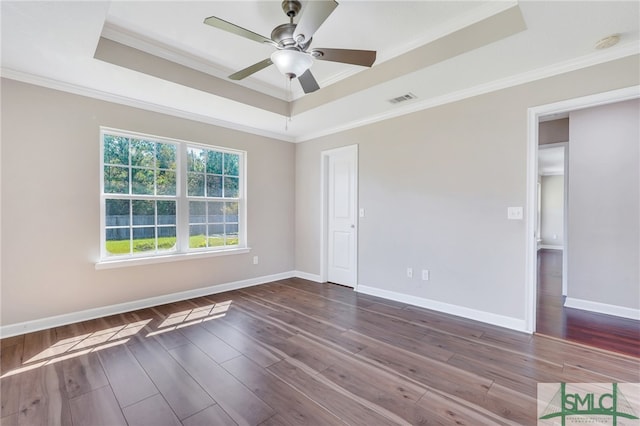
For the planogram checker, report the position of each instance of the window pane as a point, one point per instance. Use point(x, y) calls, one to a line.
point(142, 181)
point(230, 187)
point(231, 231)
point(195, 160)
point(143, 212)
point(231, 164)
point(216, 235)
point(216, 230)
point(117, 212)
point(167, 238)
point(197, 212)
point(144, 239)
point(166, 156)
point(116, 150)
point(231, 211)
point(166, 212)
point(142, 153)
point(214, 186)
point(117, 241)
point(116, 180)
point(197, 236)
point(214, 162)
point(215, 212)
point(166, 182)
point(195, 185)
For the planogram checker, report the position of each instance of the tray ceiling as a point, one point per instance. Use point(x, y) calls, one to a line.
point(159, 55)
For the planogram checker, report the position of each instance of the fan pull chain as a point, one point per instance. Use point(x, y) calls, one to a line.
point(289, 96)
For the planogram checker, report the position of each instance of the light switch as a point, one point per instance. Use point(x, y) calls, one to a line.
point(361, 212)
point(515, 213)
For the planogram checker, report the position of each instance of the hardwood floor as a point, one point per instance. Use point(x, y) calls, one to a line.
point(593, 329)
point(289, 352)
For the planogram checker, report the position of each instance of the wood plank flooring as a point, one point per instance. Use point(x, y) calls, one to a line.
point(286, 353)
point(589, 328)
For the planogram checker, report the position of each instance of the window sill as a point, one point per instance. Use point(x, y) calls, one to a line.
point(175, 257)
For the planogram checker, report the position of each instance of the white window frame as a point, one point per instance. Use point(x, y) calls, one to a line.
point(182, 250)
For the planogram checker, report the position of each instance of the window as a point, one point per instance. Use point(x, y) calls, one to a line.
point(213, 191)
point(163, 197)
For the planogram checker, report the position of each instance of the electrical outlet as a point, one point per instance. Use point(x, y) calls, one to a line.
point(425, 275)
point(409, 272)
point(255, 260)
point(515, 213)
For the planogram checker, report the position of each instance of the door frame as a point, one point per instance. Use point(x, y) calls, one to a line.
point(533, 116)
point(324, 214)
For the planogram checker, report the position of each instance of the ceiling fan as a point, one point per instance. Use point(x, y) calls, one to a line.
point(293, 56)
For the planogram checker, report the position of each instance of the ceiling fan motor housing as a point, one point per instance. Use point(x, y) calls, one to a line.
point(283, 36)
point(291, 8)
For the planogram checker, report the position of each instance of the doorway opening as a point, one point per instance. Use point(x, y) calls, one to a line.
point(546, 263)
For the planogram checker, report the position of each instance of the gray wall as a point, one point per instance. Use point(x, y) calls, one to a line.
point(436, 185)
point(604, 205)
point(552, 210)
point(442, 178)
point(50, 206)
point(553, 131)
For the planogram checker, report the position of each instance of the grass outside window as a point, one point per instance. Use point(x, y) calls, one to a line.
point(116, 247)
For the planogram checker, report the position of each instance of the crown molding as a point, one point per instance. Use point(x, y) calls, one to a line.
point(136, 103)
point(128, 38)
point(595, 58)
point(586, 61)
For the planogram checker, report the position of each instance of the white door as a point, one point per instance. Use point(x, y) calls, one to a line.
point(342, 215)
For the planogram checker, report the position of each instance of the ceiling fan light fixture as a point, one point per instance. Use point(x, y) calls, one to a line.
point(291, 63)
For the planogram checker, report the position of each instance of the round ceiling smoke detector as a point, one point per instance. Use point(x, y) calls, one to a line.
point(607, 42)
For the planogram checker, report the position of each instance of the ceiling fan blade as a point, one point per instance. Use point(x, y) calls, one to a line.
point(365, 58)
point(234, 29)
point(308, 82)
point(315, 13)
point(251, 69)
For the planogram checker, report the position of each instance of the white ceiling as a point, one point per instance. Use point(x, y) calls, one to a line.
point(53, 44)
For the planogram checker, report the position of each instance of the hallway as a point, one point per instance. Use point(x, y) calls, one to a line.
point(553, 319)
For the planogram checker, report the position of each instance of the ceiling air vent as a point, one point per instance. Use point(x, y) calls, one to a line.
point(403, 98)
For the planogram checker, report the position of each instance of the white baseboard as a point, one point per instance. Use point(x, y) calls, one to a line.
point(307, 276)
point(602, 308)
point(88, 314)
point(461, 311)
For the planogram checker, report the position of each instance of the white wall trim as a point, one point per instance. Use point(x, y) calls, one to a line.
point(173, 257)
point(461, 311)
point(136, 103)
point(549, 71)
point(534, 115)
point(88, 314)
point(551, 247)
point(602, 308)
point(121, 34)
point(308, 276)
point(586, 61)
